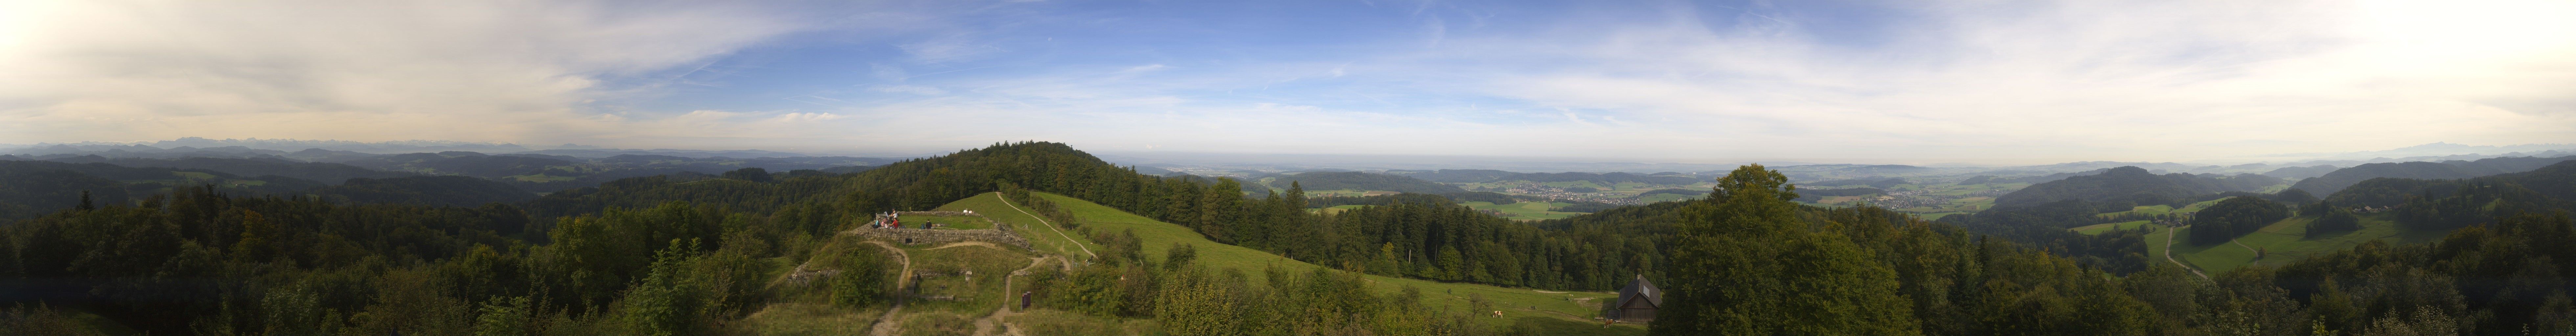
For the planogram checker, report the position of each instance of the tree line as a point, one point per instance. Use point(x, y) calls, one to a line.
point(1748, 261)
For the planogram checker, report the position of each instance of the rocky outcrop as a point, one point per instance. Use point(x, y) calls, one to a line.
point(1000, 235)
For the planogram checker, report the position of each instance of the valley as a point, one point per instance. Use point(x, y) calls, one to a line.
point(1100, 250)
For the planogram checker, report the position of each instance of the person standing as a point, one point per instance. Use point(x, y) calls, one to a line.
point(1024, 300)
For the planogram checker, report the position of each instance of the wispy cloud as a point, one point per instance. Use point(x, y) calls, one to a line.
point(1944, 81)
point(491, 71)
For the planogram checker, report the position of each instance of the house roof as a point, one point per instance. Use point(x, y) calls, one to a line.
point(1639, 289)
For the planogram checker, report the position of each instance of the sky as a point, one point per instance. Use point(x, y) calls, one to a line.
point(1826, 81)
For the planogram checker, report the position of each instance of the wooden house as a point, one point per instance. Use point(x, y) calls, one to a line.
point(1637, 302)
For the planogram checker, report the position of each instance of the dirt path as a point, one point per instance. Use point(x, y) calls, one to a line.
point(2169, 239)
point(1050, 226)
point(2258, 254)
point(886, 325)
point(989, 324)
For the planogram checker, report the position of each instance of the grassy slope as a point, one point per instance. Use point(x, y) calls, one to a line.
point(1159, 236)
point(1040, 237)
point(2286, 241)
point(2156, 243)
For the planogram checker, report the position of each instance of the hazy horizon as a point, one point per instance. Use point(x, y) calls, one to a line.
point(1389, 161)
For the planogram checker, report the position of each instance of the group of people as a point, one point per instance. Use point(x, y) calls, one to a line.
point(887, 220)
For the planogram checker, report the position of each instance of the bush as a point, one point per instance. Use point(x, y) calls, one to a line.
point(863, 277)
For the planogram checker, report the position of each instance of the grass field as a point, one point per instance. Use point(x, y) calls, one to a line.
point(1514, 302)
point(2156, 243)
point(2285, 241)
point(1970, 203)
point(1525, 210)
point(973, 294)
point(2160, 209)
point(1069, 244)
point(1344, 193)
point(2195, 207)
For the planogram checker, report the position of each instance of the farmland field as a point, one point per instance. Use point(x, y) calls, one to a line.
point(2285, 241)
point(1525, 210)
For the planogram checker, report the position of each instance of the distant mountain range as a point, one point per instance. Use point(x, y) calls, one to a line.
point(537, 170)
point(283, 146)
point(2332, 182)
point(2439, 151)
point(2134, 184)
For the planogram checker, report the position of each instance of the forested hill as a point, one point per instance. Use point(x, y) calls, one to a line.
point(1362, 181)
point(460, 191)
point(2454, 203)
point(698, 254)
point(30, 188)
point(313, 171)
point(1441, 241)
point(2131, 184)
point(2341, 178)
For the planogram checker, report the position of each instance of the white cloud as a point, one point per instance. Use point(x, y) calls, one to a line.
point(369, 70)
point(2076, 80)
point(805, 117)
point(1939, 81)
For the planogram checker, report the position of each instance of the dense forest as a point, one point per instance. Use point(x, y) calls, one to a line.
point(2234, 217)
point(675, 254)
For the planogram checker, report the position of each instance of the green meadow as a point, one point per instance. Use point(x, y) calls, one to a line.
point(2286, 241)
point(1525, 210)
point(1570, 312)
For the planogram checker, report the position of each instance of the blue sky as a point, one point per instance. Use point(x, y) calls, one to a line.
point(1860, 81)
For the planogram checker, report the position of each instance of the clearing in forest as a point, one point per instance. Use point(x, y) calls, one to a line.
point(1158, 236)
